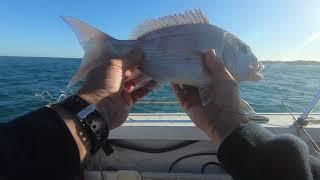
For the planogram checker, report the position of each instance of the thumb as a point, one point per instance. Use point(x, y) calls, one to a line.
point(211, 60)
point(216, 67)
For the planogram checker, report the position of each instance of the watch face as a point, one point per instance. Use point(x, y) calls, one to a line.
point(86, 112)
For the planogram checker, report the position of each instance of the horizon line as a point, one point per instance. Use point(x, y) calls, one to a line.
point(56, 57)
point(41, 57)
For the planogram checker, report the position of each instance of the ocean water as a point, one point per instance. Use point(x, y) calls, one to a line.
point(21, 78)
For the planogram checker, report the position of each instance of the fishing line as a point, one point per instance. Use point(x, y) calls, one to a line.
point(310, 139)
point(277, 94)
point(279, 97)
point(154, 101)
point(45, 95)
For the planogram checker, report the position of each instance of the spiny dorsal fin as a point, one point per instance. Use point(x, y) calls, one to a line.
point(188, 17)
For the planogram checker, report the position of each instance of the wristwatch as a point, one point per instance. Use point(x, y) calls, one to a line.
point(89, 120)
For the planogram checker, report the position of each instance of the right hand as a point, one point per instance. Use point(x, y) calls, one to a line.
point(223, 113)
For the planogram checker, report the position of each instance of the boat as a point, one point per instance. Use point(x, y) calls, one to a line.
point(156, 146)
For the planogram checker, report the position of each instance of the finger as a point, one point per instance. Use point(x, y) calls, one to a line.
point(129, 86)
point(176, 88)
point(177, 91)
point(128, 73)
point(186, 95)
point(134, 58)
point(183, 90)
point(116, 64)
point(143, 91)
point(127, 98)
point(129, 83)
point(191, 96)
point(212, 63)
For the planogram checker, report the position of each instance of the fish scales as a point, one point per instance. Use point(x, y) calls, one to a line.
point(177, 51)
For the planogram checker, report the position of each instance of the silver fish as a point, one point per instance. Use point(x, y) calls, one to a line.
point(172, 46)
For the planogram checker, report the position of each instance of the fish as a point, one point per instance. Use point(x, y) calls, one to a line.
point(173, 47)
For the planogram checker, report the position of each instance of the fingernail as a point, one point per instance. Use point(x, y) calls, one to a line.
point(212, 52)
point(129, 86)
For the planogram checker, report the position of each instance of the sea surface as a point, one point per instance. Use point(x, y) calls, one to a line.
point(23, 79)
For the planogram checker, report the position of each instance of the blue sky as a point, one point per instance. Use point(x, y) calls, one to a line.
point(274, 29)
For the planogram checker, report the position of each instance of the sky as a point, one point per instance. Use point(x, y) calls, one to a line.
point(274, 29)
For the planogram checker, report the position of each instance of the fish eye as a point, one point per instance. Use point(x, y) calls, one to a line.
point(244, 49)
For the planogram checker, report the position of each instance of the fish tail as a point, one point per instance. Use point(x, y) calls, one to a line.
point(96, 45)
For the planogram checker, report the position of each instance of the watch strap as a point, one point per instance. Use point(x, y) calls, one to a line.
point(89, 120)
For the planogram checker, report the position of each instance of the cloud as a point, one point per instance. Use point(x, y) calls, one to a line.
point(309, 40)
point(297, 52)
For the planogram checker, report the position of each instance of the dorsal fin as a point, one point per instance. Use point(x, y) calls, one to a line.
point(188, 17)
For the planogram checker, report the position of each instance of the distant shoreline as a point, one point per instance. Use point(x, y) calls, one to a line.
point(297, 62)
point(28, 57)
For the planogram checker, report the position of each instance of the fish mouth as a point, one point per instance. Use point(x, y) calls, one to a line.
point(258, 66)
point(255, 71)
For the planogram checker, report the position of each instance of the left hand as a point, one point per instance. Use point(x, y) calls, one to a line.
point(223, 114)
point(105, 86)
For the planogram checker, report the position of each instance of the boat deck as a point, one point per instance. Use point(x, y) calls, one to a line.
point(178, 126)
point(160, 130)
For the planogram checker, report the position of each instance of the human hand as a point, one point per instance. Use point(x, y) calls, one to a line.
point(223, 114)
point(106, 86)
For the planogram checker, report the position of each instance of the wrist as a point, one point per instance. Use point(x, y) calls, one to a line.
point(87, 122)
point(92, 97)
point(225, 122)
point(89, 98)
point(103, 110)
point(75, 130)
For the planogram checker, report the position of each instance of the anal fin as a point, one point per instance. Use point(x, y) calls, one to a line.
point(204, 92)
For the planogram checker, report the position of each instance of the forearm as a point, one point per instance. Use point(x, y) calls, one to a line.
point(225, 112)
point(75, 131)
point(225, 122)
point(41, 141)
point(253, 152)
point(236, 152)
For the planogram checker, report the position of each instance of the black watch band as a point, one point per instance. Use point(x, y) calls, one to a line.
point(89, 120)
